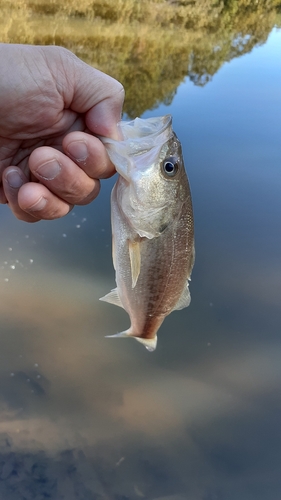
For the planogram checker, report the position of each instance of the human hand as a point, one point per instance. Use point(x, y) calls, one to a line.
point(51, 103)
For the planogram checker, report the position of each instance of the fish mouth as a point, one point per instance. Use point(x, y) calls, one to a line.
point(140, 128)
point(141, 135)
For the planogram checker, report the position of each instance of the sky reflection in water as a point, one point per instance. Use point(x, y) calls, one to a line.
point(84, 417)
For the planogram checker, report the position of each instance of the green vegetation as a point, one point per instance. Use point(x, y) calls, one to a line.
point(149, 45)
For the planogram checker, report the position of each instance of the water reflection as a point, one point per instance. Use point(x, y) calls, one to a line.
point(150, 48)
point(84, 417)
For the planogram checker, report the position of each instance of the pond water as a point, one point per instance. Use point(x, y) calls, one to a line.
point(84, 417)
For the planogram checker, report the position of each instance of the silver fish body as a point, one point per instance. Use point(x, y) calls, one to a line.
point(152, 226)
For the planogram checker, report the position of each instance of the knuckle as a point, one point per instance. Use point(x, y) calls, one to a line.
point(76, 191)
point(73, 191)
point(120, 89)
point(119, 93)
point(91, 196)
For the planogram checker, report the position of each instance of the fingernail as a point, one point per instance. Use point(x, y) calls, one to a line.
point(78, 150)
point(14, 179)
point(39, 205)
point(49, 170)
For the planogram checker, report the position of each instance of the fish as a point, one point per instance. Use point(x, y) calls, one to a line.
point(152, 226)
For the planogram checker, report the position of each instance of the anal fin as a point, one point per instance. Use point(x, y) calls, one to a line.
point(184, 299)
point(113, 298)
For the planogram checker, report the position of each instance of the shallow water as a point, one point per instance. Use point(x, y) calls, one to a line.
point(85, 417)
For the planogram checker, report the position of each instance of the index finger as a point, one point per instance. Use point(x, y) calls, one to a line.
point(89, 153)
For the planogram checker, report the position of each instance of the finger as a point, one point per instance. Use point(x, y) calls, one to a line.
point(62, 176)
point(89, 153)
point(87, 90)
point(100, 97)
point(3, 198)
point(103, 117)
point(13, 178)
point(38, 202)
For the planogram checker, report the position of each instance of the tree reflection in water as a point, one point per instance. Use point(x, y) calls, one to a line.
point(150, 46)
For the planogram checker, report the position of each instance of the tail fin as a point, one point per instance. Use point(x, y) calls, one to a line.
point(150, 344)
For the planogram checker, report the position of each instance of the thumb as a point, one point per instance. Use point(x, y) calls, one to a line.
point(97, 95)
point(86, 90)
point(103, 117)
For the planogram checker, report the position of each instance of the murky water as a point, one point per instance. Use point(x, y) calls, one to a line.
point(85, 417)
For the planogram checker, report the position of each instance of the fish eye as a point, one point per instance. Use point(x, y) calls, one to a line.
point(170, 167)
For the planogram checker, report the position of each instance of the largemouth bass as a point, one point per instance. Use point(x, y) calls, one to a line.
point(152, 226)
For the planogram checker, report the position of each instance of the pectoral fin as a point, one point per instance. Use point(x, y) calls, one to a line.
point(113, 298)
point(135, 259)
point(184, 299)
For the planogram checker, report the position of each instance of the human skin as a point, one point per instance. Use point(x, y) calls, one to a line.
point(53, 106)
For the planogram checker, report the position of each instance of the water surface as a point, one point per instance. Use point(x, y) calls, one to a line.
point(85, 417)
